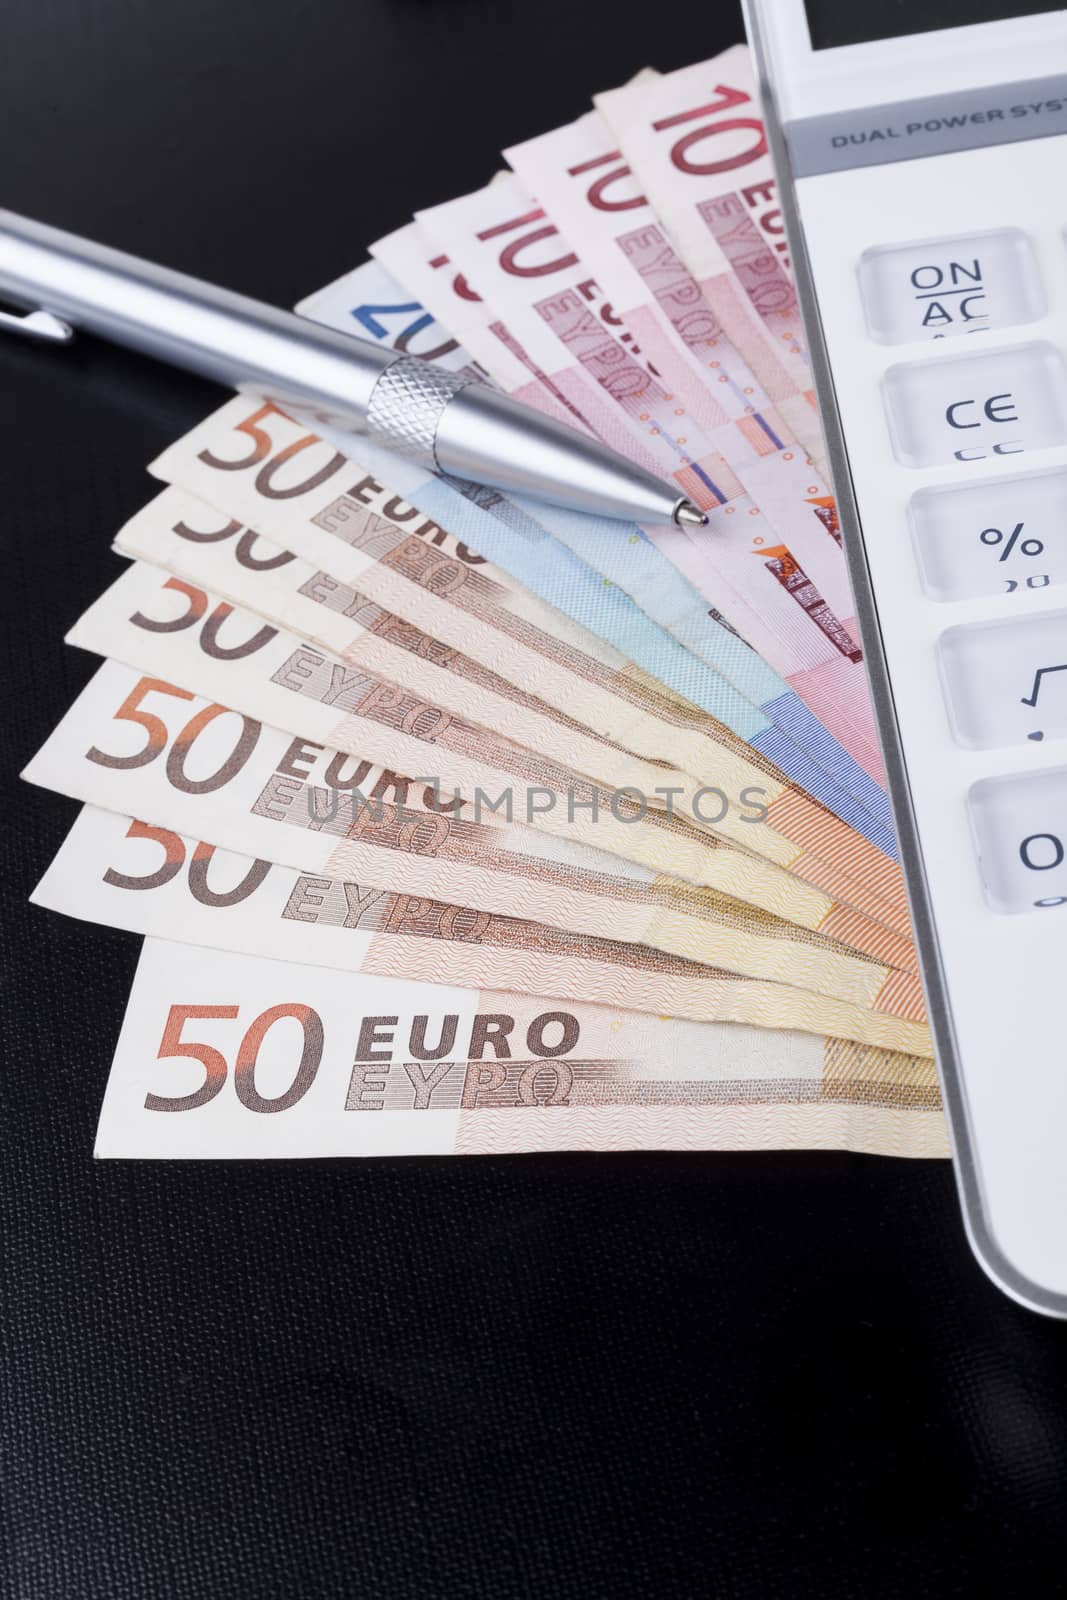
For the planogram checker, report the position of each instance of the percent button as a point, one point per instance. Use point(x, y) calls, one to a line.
point(1009, 541)
point(1004, 536)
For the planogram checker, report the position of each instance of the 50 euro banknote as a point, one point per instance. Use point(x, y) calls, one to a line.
point(124, 873)
point(279, 477)
point(225, 1055)
point(148, 749)
point(276, 476)
point(184, 538)
point(723, 837)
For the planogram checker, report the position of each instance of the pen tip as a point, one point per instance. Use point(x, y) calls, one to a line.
point(687, 515)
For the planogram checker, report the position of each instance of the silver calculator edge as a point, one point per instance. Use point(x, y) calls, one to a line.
point(1013, 1283)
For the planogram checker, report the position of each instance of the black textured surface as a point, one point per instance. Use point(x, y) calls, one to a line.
point(575, 1376)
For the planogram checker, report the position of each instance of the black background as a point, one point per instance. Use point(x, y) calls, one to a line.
point(662, 1376)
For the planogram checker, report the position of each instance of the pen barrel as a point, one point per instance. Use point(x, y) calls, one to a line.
point(185, 322)
point(481, 428)
point(446, 422)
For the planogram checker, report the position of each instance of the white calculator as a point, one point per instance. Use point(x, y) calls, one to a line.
point(922, 156)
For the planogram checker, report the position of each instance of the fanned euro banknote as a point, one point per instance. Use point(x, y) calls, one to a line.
point(456, 822)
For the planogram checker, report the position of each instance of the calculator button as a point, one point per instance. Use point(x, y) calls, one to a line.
point(1006, 682)
point(1004, 536)
point(1020, 828)
point(942, 287)
point(976, 407)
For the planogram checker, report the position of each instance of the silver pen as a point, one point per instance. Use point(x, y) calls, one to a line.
point(448, 423)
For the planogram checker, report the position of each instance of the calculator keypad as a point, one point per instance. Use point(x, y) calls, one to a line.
point(976, 407)
point(1006, 682)
point(1003, 536)
point(944, 287)
point(1020, 829)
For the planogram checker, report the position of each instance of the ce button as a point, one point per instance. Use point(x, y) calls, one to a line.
point(976, 406)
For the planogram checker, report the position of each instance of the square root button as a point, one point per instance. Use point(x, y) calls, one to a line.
point(977, 407)
point(1006, 682)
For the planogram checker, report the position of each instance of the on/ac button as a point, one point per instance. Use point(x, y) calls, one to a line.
point(942, 287)
point(977, 407)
